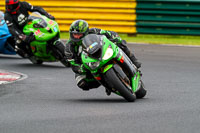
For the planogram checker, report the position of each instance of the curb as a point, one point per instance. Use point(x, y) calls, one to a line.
point(170, 45)
point(7, 77)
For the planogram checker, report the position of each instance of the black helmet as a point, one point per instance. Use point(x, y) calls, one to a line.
point(12, 6)
point(78, 30)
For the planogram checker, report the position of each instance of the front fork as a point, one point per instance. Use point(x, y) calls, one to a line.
point(126, 63)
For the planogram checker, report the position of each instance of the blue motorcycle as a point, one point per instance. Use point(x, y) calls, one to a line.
point(5, 47)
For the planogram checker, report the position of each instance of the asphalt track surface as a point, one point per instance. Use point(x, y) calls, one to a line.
point(48, 101)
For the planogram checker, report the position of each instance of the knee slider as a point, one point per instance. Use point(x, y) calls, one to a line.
point(59, 45)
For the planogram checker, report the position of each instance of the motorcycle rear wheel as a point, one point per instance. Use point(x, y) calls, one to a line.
point(117, 84)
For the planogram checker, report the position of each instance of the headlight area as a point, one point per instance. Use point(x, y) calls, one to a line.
point(93, 65)
point(108, 54)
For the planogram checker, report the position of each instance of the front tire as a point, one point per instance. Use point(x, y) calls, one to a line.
point(117, 84)
point(141, 92)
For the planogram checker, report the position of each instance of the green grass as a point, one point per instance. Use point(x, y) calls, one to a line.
point(156, 39)
point(64, 35)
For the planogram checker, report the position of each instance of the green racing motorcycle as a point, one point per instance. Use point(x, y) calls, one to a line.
point(111, 67)
point(47, 46)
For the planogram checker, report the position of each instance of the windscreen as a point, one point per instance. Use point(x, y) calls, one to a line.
point(2, 21)
point(42, 22)
point(92, 44)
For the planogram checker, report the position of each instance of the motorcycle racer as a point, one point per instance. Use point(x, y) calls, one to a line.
point(16, 16)
point(78, 30)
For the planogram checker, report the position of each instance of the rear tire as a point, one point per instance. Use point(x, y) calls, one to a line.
point(141, 92)
point(117, 84)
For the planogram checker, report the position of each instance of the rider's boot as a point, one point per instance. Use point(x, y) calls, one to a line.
point(131, 56)
point(59, 51)
point(123, 46)
point(135, 61)
point(60, 48)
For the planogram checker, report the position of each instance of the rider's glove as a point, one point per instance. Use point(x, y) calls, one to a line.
point(81, 69)
point(51, 17)
point(26, 38)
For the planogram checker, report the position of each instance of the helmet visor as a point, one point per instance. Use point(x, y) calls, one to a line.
point(12, 6)
point(77, 35)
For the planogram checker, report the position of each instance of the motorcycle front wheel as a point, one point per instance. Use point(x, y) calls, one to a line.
point(116, 82)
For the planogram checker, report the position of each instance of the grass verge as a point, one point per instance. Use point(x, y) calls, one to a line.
point(155, 39)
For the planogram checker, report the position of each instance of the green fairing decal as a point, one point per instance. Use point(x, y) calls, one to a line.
point(94, 72)
point(119, 58)
point(135, 81)
point(117, 93)
point(107, 68)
